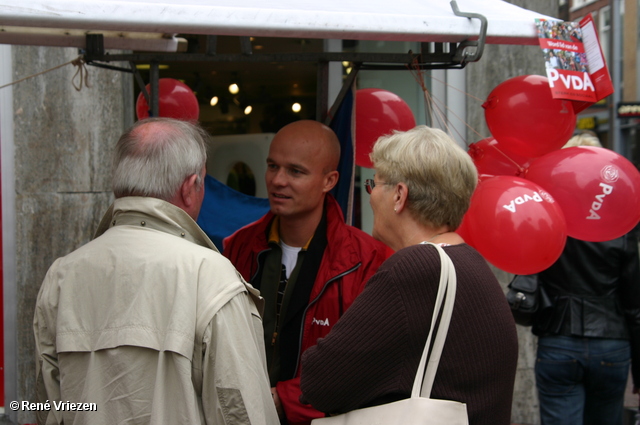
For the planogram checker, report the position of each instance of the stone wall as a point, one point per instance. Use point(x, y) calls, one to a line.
point(499, 63)
point(63, 142)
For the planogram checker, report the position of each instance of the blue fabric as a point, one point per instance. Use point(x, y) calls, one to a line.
point(225, 210)
point(341, 124)
point(581, 381)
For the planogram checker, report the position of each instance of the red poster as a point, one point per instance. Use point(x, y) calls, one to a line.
point(597, 66)
point(566, 61)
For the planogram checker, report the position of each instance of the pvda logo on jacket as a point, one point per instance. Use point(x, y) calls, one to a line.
point(320, 322)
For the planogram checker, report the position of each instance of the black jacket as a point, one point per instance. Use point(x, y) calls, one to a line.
point(595, 292)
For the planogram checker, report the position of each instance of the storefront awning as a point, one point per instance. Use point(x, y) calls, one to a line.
point(30, 21)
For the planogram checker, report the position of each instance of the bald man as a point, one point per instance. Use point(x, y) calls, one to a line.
point(308, 264)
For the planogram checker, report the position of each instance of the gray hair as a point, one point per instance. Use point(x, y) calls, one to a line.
point(439, 174)
point(156, 155)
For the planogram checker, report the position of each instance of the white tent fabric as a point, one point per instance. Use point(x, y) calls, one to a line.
point(397, 20)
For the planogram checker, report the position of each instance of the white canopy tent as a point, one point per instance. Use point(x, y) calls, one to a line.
point(39, 22)
point(153, 26)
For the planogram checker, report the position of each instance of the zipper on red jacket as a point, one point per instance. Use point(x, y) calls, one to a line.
point(304, 315)
point(258, 264)
point(276, 328)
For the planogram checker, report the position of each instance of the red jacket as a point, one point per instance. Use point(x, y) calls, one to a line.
point(350, 258)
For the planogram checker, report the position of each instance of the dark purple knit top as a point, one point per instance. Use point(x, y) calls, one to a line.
point(371, 355)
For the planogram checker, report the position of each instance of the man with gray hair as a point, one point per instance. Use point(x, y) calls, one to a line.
point(148, 323)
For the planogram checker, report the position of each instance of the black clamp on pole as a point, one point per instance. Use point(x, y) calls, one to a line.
point(462, 54)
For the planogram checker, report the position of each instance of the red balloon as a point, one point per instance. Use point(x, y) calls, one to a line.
point(515, 225)
point(524, 117)
point(464, 231)
point(597, 189)
point(491, 160)
point(176, 100)
point(378, 113)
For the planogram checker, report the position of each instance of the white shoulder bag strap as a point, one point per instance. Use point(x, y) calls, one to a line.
point(447, 294)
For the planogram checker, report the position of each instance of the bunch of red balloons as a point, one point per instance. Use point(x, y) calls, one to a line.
point(175, 100)
point(532, 193)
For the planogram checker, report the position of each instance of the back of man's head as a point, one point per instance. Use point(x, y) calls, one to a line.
point(156, 155)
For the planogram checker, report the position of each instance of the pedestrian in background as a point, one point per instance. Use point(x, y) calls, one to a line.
point(591, 333)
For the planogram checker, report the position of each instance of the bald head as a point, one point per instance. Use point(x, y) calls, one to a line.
point(301, 170)
point(321, 137)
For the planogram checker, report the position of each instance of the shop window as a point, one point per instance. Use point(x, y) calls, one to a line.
point(241, 178)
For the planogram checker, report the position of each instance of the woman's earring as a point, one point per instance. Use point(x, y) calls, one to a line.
point(395, 209)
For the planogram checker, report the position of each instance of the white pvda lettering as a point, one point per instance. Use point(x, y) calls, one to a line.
point(521, 200)
point(320, 322)
point(573, 82)
point(597, 204)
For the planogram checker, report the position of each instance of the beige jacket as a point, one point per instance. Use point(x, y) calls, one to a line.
point(152, 325)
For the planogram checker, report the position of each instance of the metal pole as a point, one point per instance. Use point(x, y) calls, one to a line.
point(322, 91)
point(615, 134)
point(9, 286)
point(155, 98)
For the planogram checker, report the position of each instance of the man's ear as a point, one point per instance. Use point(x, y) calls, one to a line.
point(330, 180)
point(188, 190)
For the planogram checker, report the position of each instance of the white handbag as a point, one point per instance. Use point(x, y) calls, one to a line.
point(420, 408)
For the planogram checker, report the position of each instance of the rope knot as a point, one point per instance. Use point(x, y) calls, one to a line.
point(82, 72)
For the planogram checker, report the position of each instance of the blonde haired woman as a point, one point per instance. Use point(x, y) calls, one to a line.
point(421, 191)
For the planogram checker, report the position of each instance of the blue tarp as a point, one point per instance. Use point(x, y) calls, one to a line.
point(342, 125)
point(225, 210)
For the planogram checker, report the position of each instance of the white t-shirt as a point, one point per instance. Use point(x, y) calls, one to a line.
point(289, 257)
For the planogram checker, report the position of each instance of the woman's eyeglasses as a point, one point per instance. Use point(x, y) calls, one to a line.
point(369, 184)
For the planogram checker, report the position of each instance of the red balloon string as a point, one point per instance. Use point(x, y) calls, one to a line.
point(521, 169)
